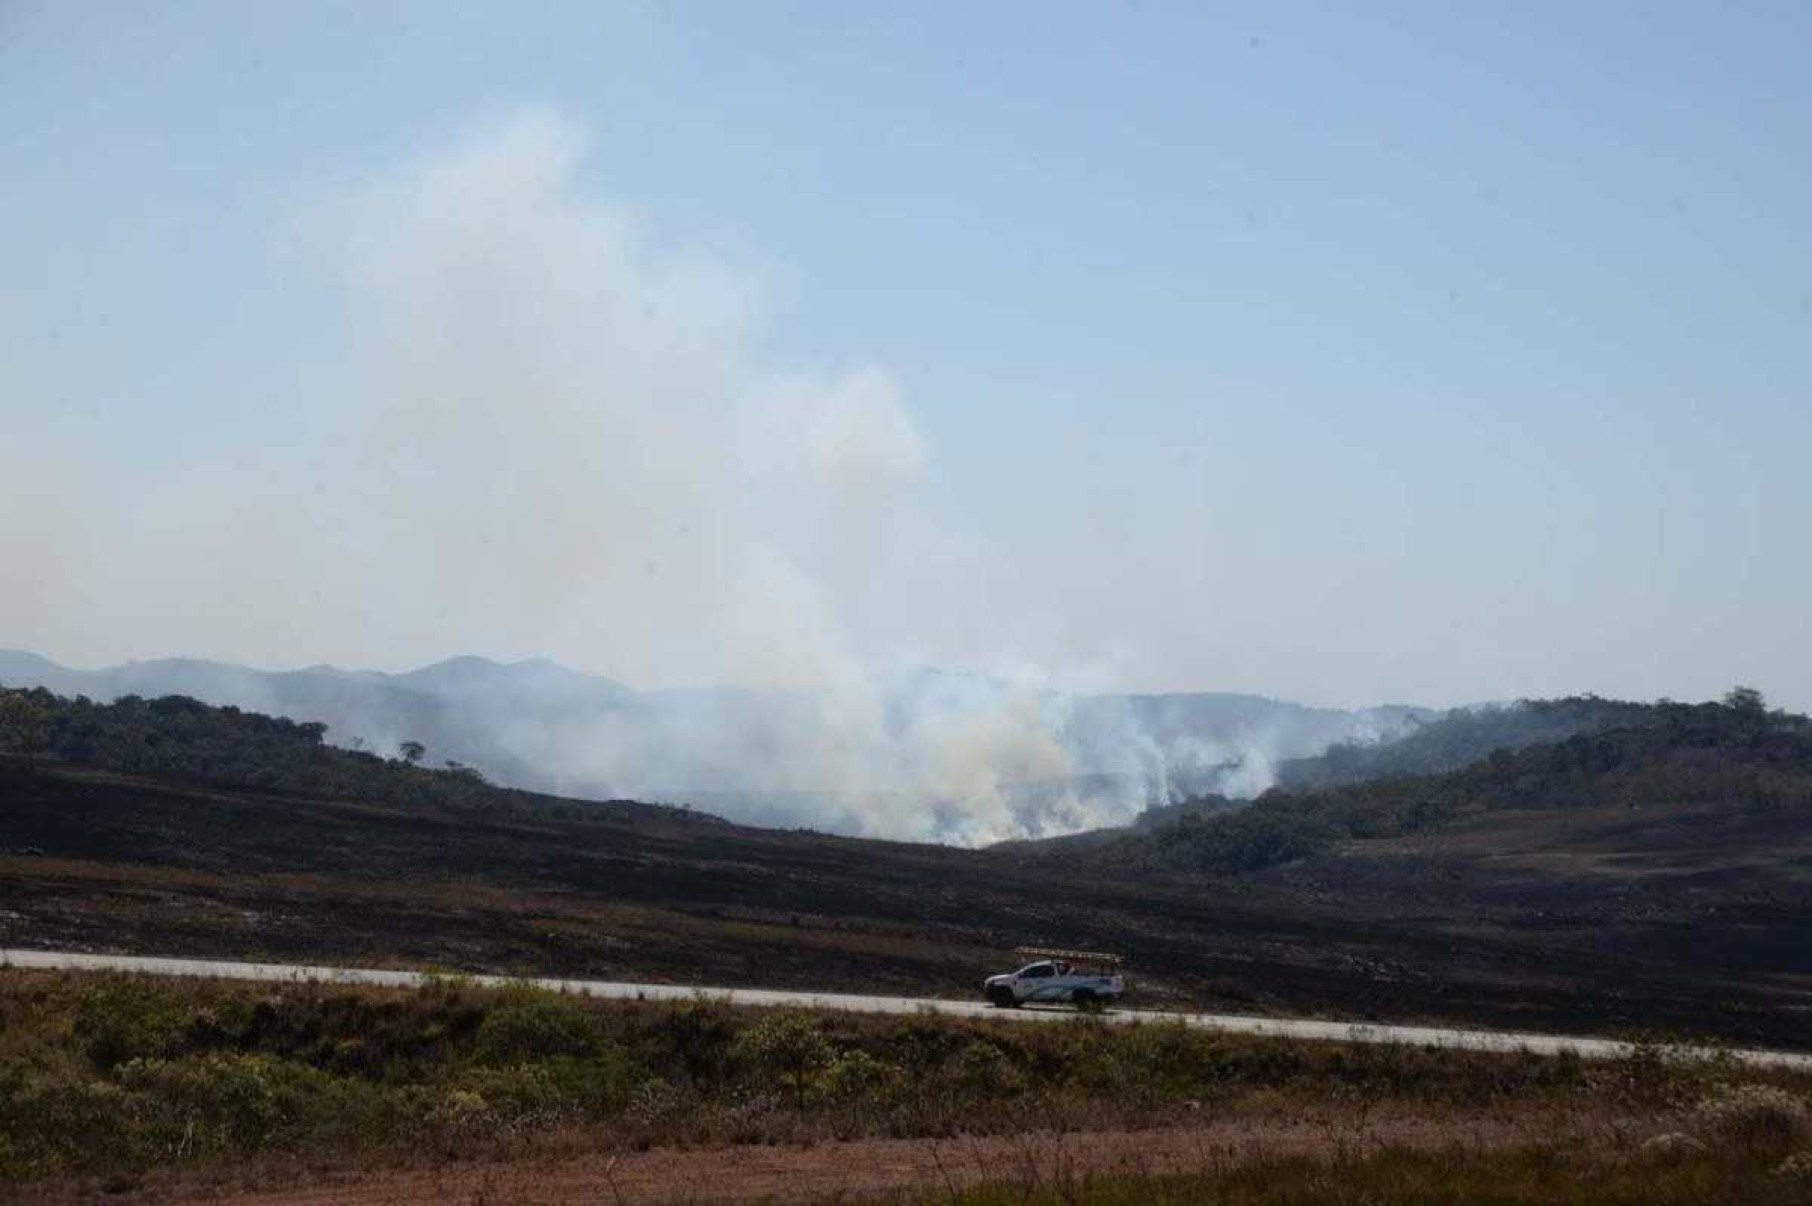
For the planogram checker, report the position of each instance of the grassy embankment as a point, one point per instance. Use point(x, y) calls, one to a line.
point(119, 1079)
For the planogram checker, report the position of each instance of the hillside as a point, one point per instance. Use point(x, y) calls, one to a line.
point(1422, 746)
point(920, 754)
point(1656, 876)
point(1681, 837)
point(1455, 739)
point(452, 707)
point(1619, 755)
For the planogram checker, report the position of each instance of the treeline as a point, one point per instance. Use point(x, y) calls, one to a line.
point(1734, 753)
point(1462, 737)
point(184, 740)
point(1450, 742)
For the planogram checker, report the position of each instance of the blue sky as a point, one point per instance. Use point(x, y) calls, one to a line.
point(1429, 352)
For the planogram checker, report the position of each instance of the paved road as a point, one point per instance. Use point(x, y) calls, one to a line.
point(1345, 1032)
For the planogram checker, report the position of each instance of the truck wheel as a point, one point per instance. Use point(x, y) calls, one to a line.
point(1002, 998)
point(1085, 1000)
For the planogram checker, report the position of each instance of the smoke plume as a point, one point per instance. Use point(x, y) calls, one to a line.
point(560, 435)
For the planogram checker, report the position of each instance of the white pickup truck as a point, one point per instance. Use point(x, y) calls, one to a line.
point(1083, 978)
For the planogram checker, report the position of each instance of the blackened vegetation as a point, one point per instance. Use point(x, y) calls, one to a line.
point(1655, 874)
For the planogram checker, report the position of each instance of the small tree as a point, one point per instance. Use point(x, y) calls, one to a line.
point(1746, 700)
point(412, 751)
point(470, 774)
point(787, 1050)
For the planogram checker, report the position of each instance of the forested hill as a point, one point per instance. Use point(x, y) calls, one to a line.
point(182, 740)
point(1735, 754)
point(1464, 736)
point(1449, 741)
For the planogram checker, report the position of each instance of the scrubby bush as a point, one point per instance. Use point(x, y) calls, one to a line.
point(655, 1103)
point(232, 1098)
point(555, 1090)
point(859, 1076)
point(695, 1038)
point(1796, 1170)
point(789, 1050)
point(530, 1023)
point(121, 1017)
point(1674, 1145)
point(50, 1123)
point(1753, 1116)
point(228, 1104)
point(459, 1114)
point(983, 1070)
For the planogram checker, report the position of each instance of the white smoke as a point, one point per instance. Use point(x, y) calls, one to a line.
point(588, 417)
point(571, 443)
point(563, 438)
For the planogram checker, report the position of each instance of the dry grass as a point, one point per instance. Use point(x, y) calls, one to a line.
point(109, 1075)
point(1530, 1176)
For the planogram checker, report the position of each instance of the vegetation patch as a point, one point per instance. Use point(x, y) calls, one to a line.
point(108, 1074)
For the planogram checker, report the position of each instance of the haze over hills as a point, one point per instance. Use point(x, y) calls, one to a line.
point(921, 753)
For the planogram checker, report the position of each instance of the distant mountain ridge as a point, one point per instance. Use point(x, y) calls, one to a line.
point(871, 757)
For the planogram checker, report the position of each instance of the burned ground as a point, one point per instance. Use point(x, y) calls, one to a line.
point(1596, 920)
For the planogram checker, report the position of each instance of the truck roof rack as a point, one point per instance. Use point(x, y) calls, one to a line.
point(1044, 952)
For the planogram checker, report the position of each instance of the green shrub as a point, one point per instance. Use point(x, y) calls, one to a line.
point(922, 1045)
point(693, 1039)
point(385, 1038)
point(858, 1076)
point(1163, 1060)
point(531, 1024)
point(457, 1116)
point(787, 1050)
point(526, 1094)
point(51, 1125)
point(983, 1070)
point(231, 1097)
point(122, 1017)
point(233, 1103)
point(553, 1090)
